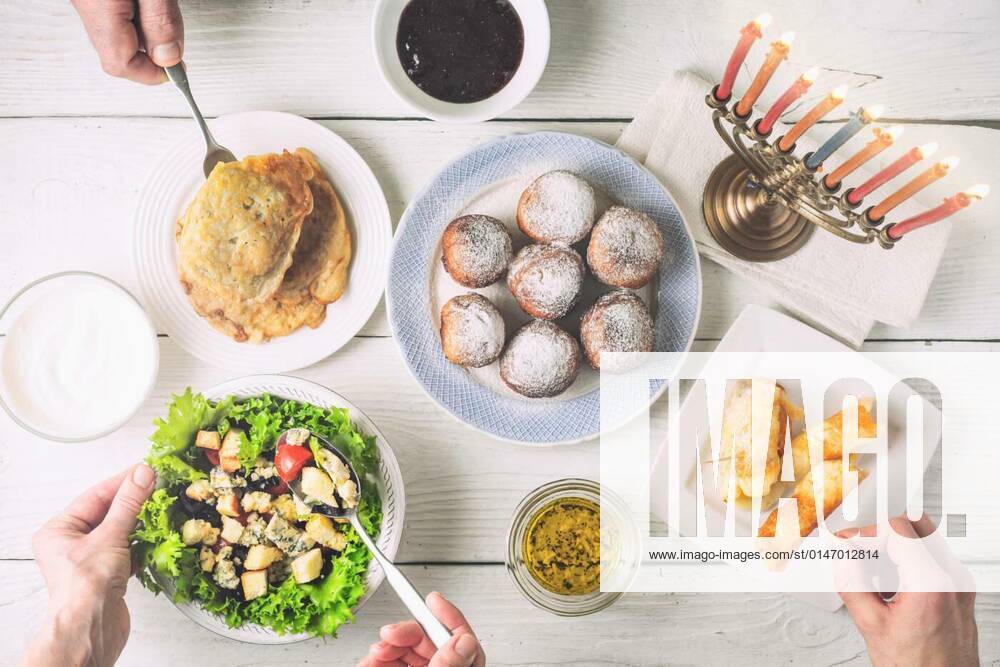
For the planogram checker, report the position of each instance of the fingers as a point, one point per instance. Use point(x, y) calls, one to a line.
point(462, 650)
point(162, 31)
point(89, 508)
point(406, 634)
point(920, 569)
point(109, 24)
point(447, 613)
point(369, 661)
point(455, 621)
point(407, 641)
point(132, 493)
point(865, 606)
point(384, 653)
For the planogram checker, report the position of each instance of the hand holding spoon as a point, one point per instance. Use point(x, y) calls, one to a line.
point(409, 595)
point(214, 152)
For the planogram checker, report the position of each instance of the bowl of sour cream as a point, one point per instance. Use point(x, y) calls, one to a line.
point(78, 357)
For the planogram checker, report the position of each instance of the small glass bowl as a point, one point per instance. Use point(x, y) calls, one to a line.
point(27, 295)
point(569, 605)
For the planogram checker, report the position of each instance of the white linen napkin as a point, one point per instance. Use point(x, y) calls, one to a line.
point(840, 286)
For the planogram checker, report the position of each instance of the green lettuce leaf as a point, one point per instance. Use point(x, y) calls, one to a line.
point(188, 413)
point(172, 470)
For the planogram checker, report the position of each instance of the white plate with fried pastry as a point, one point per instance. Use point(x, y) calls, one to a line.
point(248, 326)
point(762, 330)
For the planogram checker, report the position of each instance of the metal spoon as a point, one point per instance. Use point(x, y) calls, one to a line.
point(214, 152)
point(409, 595)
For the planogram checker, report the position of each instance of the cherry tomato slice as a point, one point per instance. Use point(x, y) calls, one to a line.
point(290, 459)
point(212, 455)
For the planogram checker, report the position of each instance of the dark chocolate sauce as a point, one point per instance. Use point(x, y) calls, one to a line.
point(460, 50)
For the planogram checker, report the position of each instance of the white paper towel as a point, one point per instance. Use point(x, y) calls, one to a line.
point(840, 286)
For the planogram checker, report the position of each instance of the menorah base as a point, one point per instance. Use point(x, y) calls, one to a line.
point(745, 220)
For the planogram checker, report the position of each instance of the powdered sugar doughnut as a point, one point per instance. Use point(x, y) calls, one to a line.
point(625, 248)
point(476, 250)
point(546, 280)
point(558, 207)
point(472, 331)
point(617, 322)
point(541, 360)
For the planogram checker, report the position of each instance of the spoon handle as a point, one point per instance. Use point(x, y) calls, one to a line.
point(178, 75)
point(409, 595)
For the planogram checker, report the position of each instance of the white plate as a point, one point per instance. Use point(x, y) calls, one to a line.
point(173, 184)
point(759, 329)
point(390, 487)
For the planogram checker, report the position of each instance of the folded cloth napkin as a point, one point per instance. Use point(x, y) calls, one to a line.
point(840, 286)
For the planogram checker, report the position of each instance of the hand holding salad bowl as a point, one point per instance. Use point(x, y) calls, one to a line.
point(259, 521)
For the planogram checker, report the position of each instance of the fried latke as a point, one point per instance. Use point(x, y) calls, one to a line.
point(317, 275)
point(237, 237)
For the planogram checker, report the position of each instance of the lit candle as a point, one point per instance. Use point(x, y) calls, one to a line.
point(912, 157)
point(883, 139)
point(856, 122)
point(794, 92)
point(950, 205)
point(779, 51)
point(824, 107)
point(916, 185)
point(749, 33)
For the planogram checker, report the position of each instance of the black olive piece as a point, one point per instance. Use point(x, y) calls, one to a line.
point(195, 509)
point(259, 484)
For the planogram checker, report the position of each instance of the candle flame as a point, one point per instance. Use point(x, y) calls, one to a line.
point(763, 20)
point(809, 76)
point(787, 38)
point(949, 162)
point(928, 150)
point(871, 113)
point(894, 132)
point(978, 191)
point(839, 93)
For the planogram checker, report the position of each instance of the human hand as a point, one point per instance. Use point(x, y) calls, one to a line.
point(84, 558)
point(405, 644)
point(134, 40)
point(914, 627)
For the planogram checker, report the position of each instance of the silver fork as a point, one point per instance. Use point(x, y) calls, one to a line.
point(214, 153)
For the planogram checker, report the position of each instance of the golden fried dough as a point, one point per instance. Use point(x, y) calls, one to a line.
point(323, 254)
point(833, 490)
point(742, 438)
point(833, 493)
point(316, 276)
point(237, 237)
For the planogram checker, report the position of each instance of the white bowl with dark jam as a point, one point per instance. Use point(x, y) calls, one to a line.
point(461, 61)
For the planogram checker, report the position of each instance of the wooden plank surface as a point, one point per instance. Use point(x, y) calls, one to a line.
point(71, 186)
point(652, 629)
point(922, 60)
point(461, 486)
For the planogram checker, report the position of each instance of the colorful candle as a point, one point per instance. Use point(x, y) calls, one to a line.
point(855, 123)
point(883, 139)
point(913, 187)
point(913, 156)
point(779, 51)
point(750, 33)
point(794, 92)
point(824, 107)
point(950, 206)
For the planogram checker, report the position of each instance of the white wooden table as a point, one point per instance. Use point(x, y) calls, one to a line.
point(77, 146)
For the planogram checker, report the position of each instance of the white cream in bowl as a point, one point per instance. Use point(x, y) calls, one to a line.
point(78, 357)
